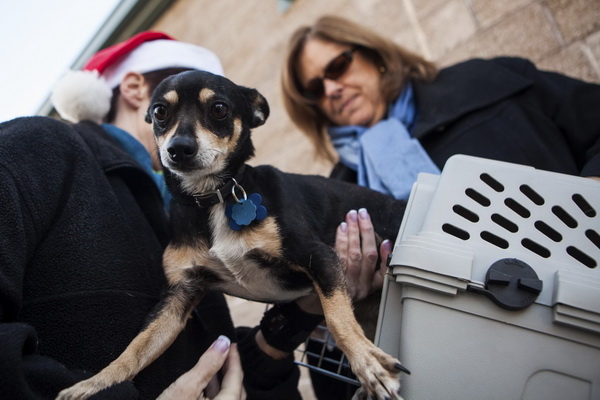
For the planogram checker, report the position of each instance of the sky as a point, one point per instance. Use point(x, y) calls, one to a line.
point(39, 41)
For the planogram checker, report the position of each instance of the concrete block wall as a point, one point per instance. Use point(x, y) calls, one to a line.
point(250, 37)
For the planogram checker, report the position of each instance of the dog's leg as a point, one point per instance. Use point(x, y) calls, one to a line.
point(378, 372)
point(163, 327)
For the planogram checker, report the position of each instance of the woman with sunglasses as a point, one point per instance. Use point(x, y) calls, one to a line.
point(385, 114)
point(390, 114)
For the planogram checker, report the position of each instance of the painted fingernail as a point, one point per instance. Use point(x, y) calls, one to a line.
point(387, 245)
point(222, 343)
point(344, 227)
point(402, 368)
point(363, 213)
point(353, 215)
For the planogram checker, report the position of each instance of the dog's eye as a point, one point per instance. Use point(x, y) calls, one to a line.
point(160, 113)
point(219, 110)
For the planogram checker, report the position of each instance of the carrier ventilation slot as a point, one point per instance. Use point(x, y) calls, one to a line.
point(517, 207)
point(505, 223)
point(532, 195)
point(593, 236)
point(493, 239)
point(455, 231)
point(478, 197)
point(536, 248)
point(548, 231)
point(584, 206)
point(564, 216)
point(581, 257)
point(491, 182)
point(465, 213)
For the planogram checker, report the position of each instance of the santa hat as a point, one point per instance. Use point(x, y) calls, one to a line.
point(86, 94)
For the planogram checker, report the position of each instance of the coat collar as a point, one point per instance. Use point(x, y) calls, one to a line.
point(460, 89)
point(106, 150)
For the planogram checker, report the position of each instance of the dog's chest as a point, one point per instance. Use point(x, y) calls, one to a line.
point(245, 275)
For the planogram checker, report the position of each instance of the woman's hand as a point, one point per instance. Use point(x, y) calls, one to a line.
point(200, 382)
point(356, 246)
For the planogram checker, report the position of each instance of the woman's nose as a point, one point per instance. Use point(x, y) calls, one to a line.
point(331, 87)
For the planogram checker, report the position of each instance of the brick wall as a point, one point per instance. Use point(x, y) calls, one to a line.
point(250, 37)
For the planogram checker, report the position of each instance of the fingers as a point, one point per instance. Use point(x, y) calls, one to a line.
point(213, 358)
point(354, 258)
point(341, 243)
point(354, 236)
point(232, 385)
point(356, 246)
point(213, 387)
point(368, 269)
point(347, 241)
point(385, 249)
point(192, 384)
point(368, 242)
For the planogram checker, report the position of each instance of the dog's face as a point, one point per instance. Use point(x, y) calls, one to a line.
point(202, 123)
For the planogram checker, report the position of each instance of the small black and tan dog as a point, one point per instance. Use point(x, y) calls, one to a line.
point(251, 232)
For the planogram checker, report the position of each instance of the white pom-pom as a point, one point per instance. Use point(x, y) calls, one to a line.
point(82, 95)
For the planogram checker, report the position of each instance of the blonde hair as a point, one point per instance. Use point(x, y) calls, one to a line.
point(396, 63)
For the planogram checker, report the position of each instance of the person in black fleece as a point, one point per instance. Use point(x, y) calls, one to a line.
point(81, 239)
point(82, 231)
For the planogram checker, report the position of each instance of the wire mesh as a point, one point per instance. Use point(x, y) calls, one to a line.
point(320, 354)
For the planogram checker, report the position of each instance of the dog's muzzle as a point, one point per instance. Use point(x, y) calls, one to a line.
point(182, 149)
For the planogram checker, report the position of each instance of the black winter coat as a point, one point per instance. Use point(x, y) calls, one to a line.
point(82, 231)
point(505, 109)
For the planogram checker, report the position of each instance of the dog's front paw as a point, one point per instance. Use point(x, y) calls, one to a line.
point(362, 394)
point(379, 375)
point(79, 391)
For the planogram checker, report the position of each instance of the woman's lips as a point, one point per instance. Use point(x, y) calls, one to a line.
point(346, 103)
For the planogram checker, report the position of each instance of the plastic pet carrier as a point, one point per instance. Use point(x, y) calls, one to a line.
point(494, 285)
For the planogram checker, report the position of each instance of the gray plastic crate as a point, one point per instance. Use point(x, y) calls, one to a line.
point(494, 285)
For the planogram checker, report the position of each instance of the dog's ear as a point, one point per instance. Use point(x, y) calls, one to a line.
point(260, 107)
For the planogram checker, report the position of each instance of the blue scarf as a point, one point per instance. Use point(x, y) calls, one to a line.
point(139, 153)
point(385, 156)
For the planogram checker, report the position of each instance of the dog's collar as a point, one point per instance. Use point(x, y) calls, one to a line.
point(213, 197)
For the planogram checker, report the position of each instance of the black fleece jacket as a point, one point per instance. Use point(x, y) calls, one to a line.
point(82, 231)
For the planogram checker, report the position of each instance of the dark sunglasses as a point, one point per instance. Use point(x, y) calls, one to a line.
point(337, 67)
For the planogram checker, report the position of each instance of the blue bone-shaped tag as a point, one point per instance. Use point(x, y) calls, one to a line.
point(245, 211)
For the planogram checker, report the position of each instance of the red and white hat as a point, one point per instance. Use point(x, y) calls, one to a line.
point(86, 94)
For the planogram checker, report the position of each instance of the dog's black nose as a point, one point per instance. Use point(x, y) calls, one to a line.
point(182, 148)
